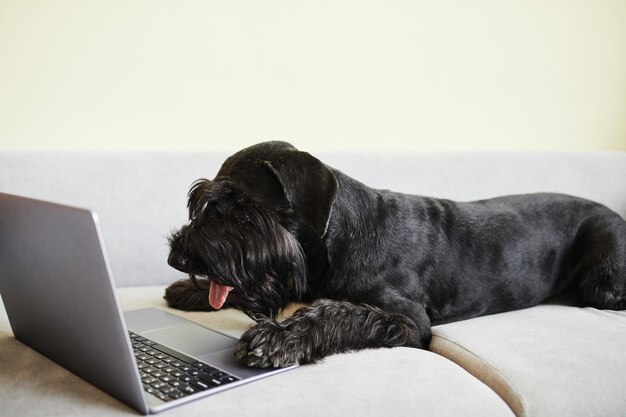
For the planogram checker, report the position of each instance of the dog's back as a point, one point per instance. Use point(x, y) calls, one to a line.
point(473, 258)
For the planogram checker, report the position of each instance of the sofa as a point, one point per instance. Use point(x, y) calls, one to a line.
point(554, 359)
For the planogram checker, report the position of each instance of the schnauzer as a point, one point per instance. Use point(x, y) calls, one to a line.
point(378, 268)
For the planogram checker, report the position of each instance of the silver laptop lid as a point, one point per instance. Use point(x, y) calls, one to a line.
point(59, 294)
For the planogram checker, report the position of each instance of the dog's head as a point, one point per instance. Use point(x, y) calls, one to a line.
point(242, 233)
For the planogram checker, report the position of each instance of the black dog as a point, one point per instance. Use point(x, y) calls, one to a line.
point(277, 225)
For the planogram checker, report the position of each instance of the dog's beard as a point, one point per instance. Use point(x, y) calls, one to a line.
point(253, 263)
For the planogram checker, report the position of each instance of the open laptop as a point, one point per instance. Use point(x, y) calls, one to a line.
point(59, 294)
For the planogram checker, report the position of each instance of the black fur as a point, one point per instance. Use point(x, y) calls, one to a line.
point(278, 226)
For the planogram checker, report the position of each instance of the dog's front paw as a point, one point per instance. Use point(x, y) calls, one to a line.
point(269, 344)
point(187, 295)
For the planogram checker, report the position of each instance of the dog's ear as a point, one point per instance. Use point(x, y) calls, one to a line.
point(309, 187)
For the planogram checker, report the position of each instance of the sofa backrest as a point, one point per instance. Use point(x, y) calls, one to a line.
point(140, 197)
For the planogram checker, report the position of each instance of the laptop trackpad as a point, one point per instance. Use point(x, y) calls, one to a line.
point(177, 333)
point(191, 339)
point(225, 360)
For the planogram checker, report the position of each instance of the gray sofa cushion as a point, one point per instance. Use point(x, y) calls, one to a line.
point(389, 382)
point(549, 360)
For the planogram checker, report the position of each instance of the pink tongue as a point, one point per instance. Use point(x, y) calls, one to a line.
point(218, 294)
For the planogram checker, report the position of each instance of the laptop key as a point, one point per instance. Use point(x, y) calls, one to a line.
point(188, 389)
point(201, 385)
point(204, 367)
point(180, 356)
point(228, 379)
point(166, 390)
point(176, 394)
point(150, 380)
point(161, 396)
point(210, 379)
point(158, 385)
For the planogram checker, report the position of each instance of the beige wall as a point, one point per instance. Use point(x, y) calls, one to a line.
point(401, 75)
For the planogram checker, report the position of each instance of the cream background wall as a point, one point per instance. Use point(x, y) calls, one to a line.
point(327, 75)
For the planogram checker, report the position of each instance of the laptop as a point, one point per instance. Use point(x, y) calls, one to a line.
point(60, 297)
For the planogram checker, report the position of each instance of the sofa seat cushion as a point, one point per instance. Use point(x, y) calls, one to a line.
point(386, 382)
point(549, 360)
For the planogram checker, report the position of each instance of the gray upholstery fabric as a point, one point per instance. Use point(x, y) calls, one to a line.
point(390, 382)
point(550, 360)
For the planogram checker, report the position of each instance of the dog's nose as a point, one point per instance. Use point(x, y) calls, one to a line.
point(176, 261)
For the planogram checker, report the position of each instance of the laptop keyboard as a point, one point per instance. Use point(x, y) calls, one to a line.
point(170, 375)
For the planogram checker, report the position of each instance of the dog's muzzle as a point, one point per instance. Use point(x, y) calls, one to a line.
point(217, 293)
